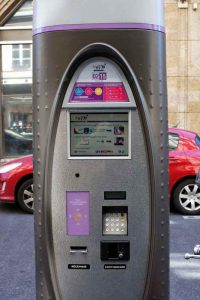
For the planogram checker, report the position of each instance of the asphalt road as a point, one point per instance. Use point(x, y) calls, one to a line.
point(17, 266)
point(184, 274)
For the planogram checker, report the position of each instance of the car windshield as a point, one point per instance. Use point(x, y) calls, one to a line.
point(17, 144)
point(197, 140)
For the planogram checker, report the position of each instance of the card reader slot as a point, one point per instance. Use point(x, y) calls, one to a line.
point(78, 249)
point(115, 250)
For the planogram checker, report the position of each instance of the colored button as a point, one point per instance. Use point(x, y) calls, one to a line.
point(98, 91)
point(79, 92)
point(88, 91)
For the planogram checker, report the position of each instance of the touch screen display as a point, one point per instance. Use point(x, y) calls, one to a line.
point(99, 134)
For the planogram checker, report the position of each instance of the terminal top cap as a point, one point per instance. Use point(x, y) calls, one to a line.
point(95, 14)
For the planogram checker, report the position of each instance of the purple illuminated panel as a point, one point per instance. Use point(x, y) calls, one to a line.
point(78, 213)
point(99, 92)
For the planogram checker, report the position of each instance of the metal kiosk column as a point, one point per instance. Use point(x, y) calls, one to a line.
point(100, 158)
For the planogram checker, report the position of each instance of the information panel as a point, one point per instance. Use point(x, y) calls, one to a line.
point(99, 81)
point(99, 134)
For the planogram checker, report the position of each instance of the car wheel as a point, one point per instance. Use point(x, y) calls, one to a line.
point(25, 196)
point(186, 198)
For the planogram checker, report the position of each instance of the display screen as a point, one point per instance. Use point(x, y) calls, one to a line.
point(99, 134)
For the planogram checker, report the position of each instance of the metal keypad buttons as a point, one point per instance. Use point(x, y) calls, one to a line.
point(115, 223)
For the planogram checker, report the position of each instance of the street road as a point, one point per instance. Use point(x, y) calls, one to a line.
point(185, 274)
point(17, 265)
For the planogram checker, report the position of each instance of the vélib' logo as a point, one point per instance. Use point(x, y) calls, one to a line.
point(99, 67)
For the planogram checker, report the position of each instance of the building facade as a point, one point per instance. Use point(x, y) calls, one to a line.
point(183, 63)
point(183, 71)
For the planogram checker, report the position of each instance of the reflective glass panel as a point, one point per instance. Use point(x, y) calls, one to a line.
point(197, 140)
point(17, 121)
point(17, 99)
point(173, 141)
point(23, 16)
point(17, 58)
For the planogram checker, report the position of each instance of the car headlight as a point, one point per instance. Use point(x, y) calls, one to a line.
point(10, 167)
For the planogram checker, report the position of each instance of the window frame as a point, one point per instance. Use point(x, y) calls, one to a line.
point(8, 36)
point(21, 58)
point(17, 13)
point(25, 37)
point(11, 12)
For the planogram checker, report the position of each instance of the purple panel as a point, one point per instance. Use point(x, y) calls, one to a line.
point(143, 26)
point(78, 213)
point(84, 96)
point(108, 92)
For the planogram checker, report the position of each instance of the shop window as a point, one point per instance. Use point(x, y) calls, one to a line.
point(17, 123)
point(16, 105)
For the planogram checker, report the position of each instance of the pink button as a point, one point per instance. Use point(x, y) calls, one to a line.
point(88, 91)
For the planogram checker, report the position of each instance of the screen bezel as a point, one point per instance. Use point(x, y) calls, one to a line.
point(128, 112)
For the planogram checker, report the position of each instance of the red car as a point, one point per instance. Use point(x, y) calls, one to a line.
point(16, 182)
point(184, 163)
point(16, 177)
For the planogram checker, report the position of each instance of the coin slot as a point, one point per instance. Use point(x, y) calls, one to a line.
point(78, 249)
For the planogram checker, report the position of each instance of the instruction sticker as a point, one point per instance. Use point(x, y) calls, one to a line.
point(115, 267)
point(78, 267)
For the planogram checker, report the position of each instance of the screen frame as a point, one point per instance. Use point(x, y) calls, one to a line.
point(99, 111)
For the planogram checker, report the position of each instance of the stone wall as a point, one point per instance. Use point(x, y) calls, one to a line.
point(183, 64)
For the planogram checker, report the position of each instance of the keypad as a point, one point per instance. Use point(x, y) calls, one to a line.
point(115, 224)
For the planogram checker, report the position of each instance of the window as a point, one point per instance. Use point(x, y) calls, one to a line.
point(17, 125)
point(21, 57)
point(173, 141)
point(16, 83)
point(16, 100)
point(23, 17)
point(197, 140)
